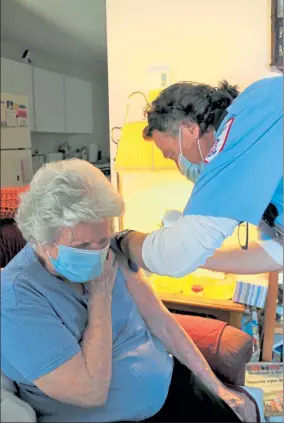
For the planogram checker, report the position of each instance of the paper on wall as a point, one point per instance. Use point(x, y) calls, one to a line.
point(3, 113)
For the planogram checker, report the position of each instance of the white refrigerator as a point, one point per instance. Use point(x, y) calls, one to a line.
point(16, 155)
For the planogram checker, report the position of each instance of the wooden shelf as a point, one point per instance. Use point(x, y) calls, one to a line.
point(195, 301)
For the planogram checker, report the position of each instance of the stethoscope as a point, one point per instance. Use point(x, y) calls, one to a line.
point(267, 224)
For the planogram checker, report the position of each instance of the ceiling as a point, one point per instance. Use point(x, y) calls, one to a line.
point(71, 29)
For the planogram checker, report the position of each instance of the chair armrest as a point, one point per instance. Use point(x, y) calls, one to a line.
point(235, 351)
point(13, 409)
point(226, 349)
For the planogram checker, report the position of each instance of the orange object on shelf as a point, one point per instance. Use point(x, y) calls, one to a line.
point(197, 288)
point(9, 198)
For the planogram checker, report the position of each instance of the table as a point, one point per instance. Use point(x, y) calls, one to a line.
point(228, 311)
point(225, 310)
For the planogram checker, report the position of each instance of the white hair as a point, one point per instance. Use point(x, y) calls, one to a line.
point(63, 194)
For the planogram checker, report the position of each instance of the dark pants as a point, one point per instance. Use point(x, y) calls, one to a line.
point(189, 400)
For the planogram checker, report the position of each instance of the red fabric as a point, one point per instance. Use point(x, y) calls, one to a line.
point(9, 200)
point(206, 334)
point(226, 348)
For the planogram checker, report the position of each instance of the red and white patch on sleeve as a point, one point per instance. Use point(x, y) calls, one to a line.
point(220, 142)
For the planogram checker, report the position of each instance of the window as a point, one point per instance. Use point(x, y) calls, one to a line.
point(277, 34)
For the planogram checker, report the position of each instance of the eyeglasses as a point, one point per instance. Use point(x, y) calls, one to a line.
point(243, 234)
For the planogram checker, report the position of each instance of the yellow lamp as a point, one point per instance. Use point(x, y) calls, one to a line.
point(153, 94)
point(136, 154)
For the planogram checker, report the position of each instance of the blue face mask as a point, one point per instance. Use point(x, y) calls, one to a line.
point(190, 170)
point(78, 265)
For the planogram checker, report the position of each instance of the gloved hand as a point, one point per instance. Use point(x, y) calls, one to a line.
point(115, 244)
point(170, 218)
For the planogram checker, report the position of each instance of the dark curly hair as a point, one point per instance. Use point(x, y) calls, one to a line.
point(187, 102)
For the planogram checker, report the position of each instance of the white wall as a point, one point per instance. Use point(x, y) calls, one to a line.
point(97, 74)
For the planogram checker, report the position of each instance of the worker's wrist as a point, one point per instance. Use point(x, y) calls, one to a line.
point(121, 240)
point(125, 243)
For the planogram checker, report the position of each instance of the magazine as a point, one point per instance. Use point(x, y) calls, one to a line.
point(269, 378)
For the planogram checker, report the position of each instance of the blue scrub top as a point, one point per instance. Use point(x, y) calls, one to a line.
point(246, 175)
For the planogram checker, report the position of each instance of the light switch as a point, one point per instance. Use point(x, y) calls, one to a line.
point(158, 77)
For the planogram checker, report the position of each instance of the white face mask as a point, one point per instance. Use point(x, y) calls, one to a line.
point(190, 170)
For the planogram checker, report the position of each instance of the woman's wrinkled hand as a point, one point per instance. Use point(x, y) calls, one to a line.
point(105, 282)
point(240, 403)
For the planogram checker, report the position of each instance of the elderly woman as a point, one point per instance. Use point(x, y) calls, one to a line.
point(85, 338)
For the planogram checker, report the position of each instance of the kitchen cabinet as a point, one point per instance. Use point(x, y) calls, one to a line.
point(78, 105)
point(57, 103)
point(17, 78)
point(49, 101)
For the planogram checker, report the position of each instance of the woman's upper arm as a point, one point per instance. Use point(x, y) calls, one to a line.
point(148, 302)
point(40, 347)
point(70, 383)
point(36, 341)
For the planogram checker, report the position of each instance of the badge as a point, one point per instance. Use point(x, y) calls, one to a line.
point(220, 142)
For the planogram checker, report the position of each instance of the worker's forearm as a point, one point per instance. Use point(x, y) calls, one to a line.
point(132, 245)
point(252, 261)
point(97, 341)
point(180, 345)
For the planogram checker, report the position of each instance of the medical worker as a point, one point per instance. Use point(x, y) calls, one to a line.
point(239, 146)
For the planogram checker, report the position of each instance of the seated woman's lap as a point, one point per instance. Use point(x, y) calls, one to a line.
point(189, 400)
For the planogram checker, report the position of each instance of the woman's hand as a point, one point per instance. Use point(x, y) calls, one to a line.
point(105, 282)
point(239, 402)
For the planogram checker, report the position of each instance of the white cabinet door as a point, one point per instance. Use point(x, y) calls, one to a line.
point(17, 78)
point(78, 106)
point(16, 168)
point(49, 101)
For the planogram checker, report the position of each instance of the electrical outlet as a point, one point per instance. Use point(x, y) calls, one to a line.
point(164, 79)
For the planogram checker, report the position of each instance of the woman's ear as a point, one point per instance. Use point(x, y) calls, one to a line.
point(47, 250)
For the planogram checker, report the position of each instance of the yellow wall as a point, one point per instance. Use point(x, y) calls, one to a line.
point(200, 40)
point(149, 195)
